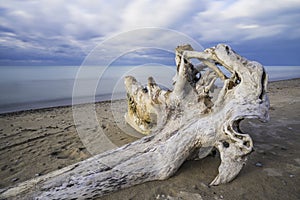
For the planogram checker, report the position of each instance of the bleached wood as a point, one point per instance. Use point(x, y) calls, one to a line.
point(178, 122)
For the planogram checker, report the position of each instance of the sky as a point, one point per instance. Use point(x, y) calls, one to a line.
point(56, 32)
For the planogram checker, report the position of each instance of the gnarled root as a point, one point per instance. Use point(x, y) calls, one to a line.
point(178, 121)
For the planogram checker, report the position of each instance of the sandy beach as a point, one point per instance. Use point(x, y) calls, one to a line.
point(36, 142)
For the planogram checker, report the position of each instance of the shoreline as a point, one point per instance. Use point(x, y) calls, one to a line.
point(66, 102)
point(54, 103)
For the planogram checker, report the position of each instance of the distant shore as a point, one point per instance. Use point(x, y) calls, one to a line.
point(53, 103)
point(28, 87)
point(36, 142)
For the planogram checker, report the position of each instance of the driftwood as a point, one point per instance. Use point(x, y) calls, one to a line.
point(179, 123)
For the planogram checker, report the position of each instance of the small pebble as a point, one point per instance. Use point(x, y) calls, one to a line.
point(14, 179)
point(258, 164)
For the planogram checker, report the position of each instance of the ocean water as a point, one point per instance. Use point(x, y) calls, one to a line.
point(31, 87)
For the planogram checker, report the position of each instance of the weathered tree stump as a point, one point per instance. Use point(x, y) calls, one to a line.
point(179, 122)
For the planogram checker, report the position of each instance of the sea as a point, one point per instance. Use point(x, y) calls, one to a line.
point(33, 87)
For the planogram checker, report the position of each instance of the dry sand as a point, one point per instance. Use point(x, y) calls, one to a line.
point(33, 143)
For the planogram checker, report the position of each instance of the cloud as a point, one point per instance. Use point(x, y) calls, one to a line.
point(154, 13)
point(69, 30)
point(244, 20)
point(140, 42)
point(256, 8)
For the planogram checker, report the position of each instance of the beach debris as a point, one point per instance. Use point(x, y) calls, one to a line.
point(259, 164)
point(177, 123)
point(187, 118)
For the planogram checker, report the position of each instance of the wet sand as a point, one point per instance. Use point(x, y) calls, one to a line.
point(33, 143)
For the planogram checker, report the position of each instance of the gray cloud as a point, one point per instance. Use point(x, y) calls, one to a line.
point(244, 20)
point(66, 31)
